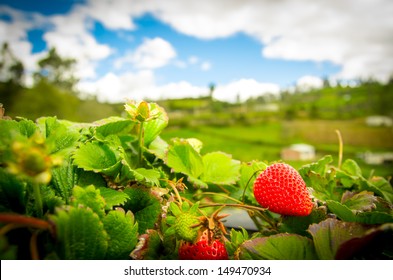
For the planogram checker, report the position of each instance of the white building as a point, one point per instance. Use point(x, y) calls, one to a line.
point(298, 152)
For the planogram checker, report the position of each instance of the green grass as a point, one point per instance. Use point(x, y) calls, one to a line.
point(264, 141)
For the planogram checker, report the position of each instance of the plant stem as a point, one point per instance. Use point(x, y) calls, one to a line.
point(24, 221)
point(340, 148)
point(222, 195)
point(33, 246)
point(233, 205)
point(141, 138)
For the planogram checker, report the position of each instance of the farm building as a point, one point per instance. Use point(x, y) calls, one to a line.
point(298, 152)
point(379, 121)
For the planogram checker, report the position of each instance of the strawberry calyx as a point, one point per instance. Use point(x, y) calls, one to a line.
point(210, 241)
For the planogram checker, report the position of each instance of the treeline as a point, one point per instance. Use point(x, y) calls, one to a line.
point(53, 93)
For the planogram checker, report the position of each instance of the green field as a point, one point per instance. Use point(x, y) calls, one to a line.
point(265, 141)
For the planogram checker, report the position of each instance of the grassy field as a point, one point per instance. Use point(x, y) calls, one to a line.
point(265, 141)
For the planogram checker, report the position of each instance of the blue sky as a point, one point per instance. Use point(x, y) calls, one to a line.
point(169, 49)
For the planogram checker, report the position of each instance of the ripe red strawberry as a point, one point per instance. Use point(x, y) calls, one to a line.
point(281, 189)
point(203, 249)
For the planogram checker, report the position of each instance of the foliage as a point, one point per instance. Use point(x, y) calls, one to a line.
point(114, 189)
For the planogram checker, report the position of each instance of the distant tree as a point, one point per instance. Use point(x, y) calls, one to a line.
point(212, 87)
point(57, 71)
point(11, 69)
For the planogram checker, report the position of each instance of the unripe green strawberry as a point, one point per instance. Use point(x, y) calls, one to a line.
point(281, 189)
point(183, 226)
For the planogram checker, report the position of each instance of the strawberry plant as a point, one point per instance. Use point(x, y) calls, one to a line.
point(114, 189)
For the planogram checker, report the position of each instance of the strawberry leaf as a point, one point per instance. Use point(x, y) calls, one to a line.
point(59, 137)
point(330, 234)
point(346, 214)
point(123, 234)
point(300, 224)
point(183, 158)
point(220, 168)
point(283, 246)
point(158, 147)
point(363, 201)
point(97, 157)
point(89, 197)
point(112, 126)
point(145, 206)
point(113, 198)
point(80, 234)
point(64, 178)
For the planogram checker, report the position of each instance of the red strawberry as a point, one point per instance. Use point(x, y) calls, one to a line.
point(281, 189)
point(203, 249)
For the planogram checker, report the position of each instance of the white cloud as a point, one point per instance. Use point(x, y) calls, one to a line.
point(243, 89)
point(353, 34)
point(153, 53)
point(193, 59)
point(309, 82)
point(138, 86)
point(119, 88)
point(206, 66)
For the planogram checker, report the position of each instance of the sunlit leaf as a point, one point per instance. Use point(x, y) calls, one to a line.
point(183, 158)
point(220, 168)
point(97, 157)
point(89, 197)
point(113, 198)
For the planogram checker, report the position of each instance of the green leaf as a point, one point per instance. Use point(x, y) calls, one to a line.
point(220, 168)
point(379, 186)
point(330, 234)
point(363, 201)
point(345, 214)
point(58, 137)
point(148, 176)
point(112, 126)
point(97, 157)
point(145, 206)
point(342, 211)
point(80, 234)
point(299, 225)
point(183, 158)
point(352, 168)
point(158, 147)
point(113, 198)
point(64, 178)
point(283, 246)
point(87, 178)
point(320, 167)
point(89, 197)
point(157, 122)
point(123, 234)
point(249, 172)
point(236, 238)
point(27, 127)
